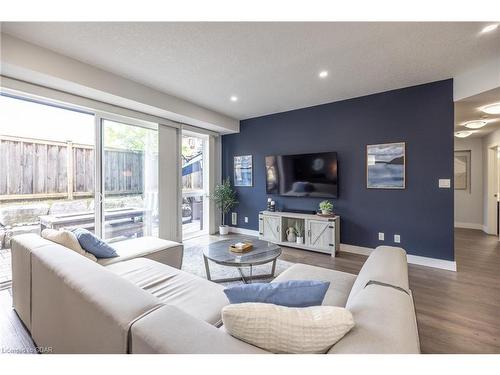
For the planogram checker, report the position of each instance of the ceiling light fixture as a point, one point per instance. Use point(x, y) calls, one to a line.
point(489, 28)
point(323, 74)
point(491, 109)
point(476, 124)
point(463, 134)
point(233, 98)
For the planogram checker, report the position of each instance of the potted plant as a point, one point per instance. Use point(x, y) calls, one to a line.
point(299, 232)
point(224, 198)
point(326, 207)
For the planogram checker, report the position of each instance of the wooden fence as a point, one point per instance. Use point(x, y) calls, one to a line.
point(39, 169)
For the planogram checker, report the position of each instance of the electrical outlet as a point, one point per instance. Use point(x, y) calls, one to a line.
point(397, 238)
point(444, 183)
point(380, 236)
point(234, 218)
point(246, 219)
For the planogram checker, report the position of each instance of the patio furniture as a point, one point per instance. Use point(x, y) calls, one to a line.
point(126, 222)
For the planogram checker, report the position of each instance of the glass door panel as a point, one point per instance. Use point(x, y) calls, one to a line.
point(47, 155)
point(130, 181)
point(194, 156)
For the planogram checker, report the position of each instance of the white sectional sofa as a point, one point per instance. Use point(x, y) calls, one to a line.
point(74, 305)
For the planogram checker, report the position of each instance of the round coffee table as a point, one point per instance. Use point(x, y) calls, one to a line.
point(262, 252)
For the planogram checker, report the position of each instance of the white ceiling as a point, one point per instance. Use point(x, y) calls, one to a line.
point(271, 67)
point(469, 109)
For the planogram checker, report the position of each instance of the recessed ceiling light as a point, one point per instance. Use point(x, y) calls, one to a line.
point(233, 98)
point(475, 124)
point(323, 74)
point(463, 134)
point(489, 28)
point(491, 109)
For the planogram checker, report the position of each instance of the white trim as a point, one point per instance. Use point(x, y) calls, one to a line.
point(412, 259)
point(355, 249)
point(469, 225)
point(449, 265)
point(248, 232)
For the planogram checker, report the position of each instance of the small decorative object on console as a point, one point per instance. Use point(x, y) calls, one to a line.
point(290, 234)
point(299, 232)
point(326, 207)
point(272, 206)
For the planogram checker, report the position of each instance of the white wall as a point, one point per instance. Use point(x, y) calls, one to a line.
point(31, 63)
point(469, 204)
point(490, 185)
point(477, 80)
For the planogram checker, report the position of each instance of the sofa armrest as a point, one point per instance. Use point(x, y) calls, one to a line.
point(168, 330)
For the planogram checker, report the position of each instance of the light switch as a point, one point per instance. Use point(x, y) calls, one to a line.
point(246, 219)
point(380, 236)
point(444, 183)
point(397, 238)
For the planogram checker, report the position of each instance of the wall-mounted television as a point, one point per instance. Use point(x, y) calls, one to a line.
point(302, 175)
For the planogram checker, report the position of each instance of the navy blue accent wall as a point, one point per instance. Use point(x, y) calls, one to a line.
point(422, 116)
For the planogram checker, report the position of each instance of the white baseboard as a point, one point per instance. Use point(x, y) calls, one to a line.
point(248, 232)
point(469, 225)
point(412, 259)
point(449, 265)
point(355, 249)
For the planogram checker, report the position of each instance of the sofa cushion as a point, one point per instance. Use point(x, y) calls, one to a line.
point(340, 282)
point(386, 265)
point(93, 244)
point(148, 247)
point(196, 296)
point(293, 293)
point(79, 306)
point(385, 323)
point(280, 329)
point(67, 239)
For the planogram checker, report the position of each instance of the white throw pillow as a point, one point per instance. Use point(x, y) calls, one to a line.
point(280, 329)
point(67, 239)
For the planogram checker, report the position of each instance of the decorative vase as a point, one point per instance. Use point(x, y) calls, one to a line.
point(223, 230)
point(290, 235)
point(300, 240)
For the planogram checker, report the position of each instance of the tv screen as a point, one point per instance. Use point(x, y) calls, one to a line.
point(302, 175)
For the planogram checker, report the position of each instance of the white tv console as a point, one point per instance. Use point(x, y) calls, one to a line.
point(321, 233)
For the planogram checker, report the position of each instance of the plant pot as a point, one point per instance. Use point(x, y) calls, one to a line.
point(300, 240)
point(223, 230)
point(326, 212)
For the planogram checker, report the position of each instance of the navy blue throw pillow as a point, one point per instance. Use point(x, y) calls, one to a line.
point(293, 293)
point(88, 241)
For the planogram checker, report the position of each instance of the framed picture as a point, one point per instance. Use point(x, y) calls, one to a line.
point(462, 170)
point(385, 166)
point(243, 170)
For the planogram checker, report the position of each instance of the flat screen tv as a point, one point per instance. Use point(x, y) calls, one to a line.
point(302, 175)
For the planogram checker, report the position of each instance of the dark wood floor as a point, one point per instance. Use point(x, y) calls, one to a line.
point(457, 312)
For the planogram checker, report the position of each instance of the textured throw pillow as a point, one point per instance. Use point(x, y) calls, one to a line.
point(293, 293)
point(281, 329)
point(66, 239)
point(94, 245)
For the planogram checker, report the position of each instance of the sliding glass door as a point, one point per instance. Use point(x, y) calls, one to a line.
point(129, 180)
point(47, 171)
point(194, 161)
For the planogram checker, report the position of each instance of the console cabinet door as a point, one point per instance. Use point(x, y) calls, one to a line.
point(321, 235)
point(271, 228)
